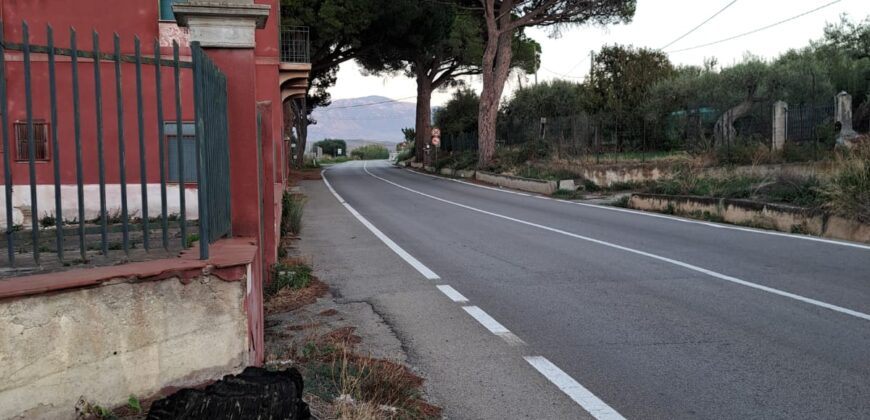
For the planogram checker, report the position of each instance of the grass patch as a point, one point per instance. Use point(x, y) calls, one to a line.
point(331, 161)
point(293, 276)
point(291, 213)
point(848, 192)
point(621, 202)
point(568, 195)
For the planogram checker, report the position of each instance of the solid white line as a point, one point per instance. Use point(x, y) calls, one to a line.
point(661, 216)
point(425, 271)
point(597, 408)
point(643, 253)
point(452, 293)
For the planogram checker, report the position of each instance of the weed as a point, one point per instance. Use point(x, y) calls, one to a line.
point(291, 213)
point(47, 221)
point(295, 276)
point(590, 186)
point(282, 252)
point(134, 405)
point(568, 195)
point(848, 193)
point(622, 202)
point(669, 209)
point(193, 237)
point(115, 246)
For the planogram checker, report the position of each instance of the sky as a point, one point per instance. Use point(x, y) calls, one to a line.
point(656, 23)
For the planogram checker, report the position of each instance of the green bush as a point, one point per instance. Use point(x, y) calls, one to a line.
point(458, 160)
point(332, 147)
point(370, 152)
point(291, 213)
point(794, 190)
point(406, 154)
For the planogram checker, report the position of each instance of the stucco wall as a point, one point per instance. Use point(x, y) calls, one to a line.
point(121, 338)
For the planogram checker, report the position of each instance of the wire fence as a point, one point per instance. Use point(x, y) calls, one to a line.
point(611, 138)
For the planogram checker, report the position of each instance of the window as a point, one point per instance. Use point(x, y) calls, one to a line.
point(166, 8)
point(40, 139)
point(188, 151)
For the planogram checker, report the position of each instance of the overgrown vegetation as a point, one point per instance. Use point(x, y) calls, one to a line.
point(332, 147)
point(370, 152)
point(848, 192)
point(291, 213)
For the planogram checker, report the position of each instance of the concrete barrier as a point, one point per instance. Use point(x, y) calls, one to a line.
point(447, 171)
point(466, 173)
point(518, 183)
point(417, 165)
point(778, 217)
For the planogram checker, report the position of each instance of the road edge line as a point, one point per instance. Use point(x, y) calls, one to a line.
point(573, 389)
point(413, 262)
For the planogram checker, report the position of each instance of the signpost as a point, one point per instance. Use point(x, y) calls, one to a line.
point(436, 141)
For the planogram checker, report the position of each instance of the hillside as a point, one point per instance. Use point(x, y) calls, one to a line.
point(348, 119)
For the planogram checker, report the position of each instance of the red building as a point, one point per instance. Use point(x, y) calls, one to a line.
point(85, 143)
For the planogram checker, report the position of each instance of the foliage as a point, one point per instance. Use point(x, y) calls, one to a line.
point(622, 77)
point(547, 99)
point(409, 133)
point(294, 276)
point(332, 147)
point(291, 213)
point(459, 114)
point(407, 153)
point(370, 152)
point(848, 193)
point(457, 160)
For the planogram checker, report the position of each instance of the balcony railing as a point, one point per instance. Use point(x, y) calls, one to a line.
point(295, 44)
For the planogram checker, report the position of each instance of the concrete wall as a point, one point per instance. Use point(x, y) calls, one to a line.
point(121, 338)
point(608, 175)
point(69, 201)
point(517, 183)
point(755, 214)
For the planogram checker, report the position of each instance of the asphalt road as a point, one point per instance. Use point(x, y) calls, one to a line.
point(655, 317)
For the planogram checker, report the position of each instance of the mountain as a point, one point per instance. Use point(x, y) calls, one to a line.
point(370, 118)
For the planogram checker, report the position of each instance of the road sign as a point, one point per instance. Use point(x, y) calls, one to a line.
point(436, 141)
point(436, 132)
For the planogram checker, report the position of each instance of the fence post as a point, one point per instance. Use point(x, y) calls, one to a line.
point(780, 126)
point(843, 116)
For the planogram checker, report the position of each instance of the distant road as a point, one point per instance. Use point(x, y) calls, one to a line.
point(638, 315)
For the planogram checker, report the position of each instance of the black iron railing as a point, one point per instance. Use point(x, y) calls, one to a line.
point(295, 44)
point(73, 227)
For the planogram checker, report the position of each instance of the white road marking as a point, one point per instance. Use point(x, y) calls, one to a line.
point(425, 271)
point(452, 293)
point(597, 408)
point(662, 216)
point(492, 325)
point(688, 266)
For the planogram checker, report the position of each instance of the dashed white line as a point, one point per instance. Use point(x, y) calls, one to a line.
point(597, 408)
point(685, 265)
point(425, 271)
point(452, 293)
point(661, 216)
point(492, 325)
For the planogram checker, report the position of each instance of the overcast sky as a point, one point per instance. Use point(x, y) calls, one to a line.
point(656, 23)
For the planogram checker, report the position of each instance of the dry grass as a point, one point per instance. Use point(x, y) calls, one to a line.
point(288, 299)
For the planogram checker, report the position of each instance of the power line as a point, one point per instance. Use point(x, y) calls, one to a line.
point(327, 109)
point(700, 25)
point(757, 30)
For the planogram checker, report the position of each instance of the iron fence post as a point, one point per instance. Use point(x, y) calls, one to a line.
point(55, 150)
point(31, 143)
point(7, 170)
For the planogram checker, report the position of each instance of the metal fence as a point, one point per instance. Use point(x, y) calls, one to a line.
point(295, 44)
point(65, 214)
point(810, 122)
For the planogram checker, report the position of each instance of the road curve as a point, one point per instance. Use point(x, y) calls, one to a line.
point(656, 317)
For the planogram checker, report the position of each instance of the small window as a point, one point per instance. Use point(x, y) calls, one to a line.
point(40, 139)
point(166, 8)
point(188, 151)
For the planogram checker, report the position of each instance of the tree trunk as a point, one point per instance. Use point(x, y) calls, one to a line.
point(423, 124)
point(724, 132)
point(496, 68)
point(301, 133)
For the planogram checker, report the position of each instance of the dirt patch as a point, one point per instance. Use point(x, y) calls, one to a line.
point(297, 175)
point(288, 299)
point(328, 312)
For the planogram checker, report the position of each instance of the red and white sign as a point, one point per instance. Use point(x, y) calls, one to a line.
point(436, 132)
point(436, 141)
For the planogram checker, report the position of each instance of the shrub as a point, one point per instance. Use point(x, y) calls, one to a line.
point(848, 193)
point(406, 154)
point(370, 152)
point(291, 213)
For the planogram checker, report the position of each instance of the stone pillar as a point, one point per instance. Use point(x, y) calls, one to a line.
point(843, 116)
point(780, 125)
point(226, 30)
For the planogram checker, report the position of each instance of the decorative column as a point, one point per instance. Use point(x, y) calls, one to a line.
point(226, 30)
point(843, 117)
point(780, 125)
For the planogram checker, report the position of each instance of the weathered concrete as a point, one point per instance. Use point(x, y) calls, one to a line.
point(467, 173)
point(518, 183)
point(567, 185)
point(447, 171)
point(417, 165)
point(755, 214)
point(107, 342)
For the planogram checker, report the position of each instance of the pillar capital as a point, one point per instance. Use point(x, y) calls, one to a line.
point(222, 24)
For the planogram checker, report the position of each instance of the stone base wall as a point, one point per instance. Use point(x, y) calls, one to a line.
point(121, 338)
point(517, 183)
point(754, 214)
